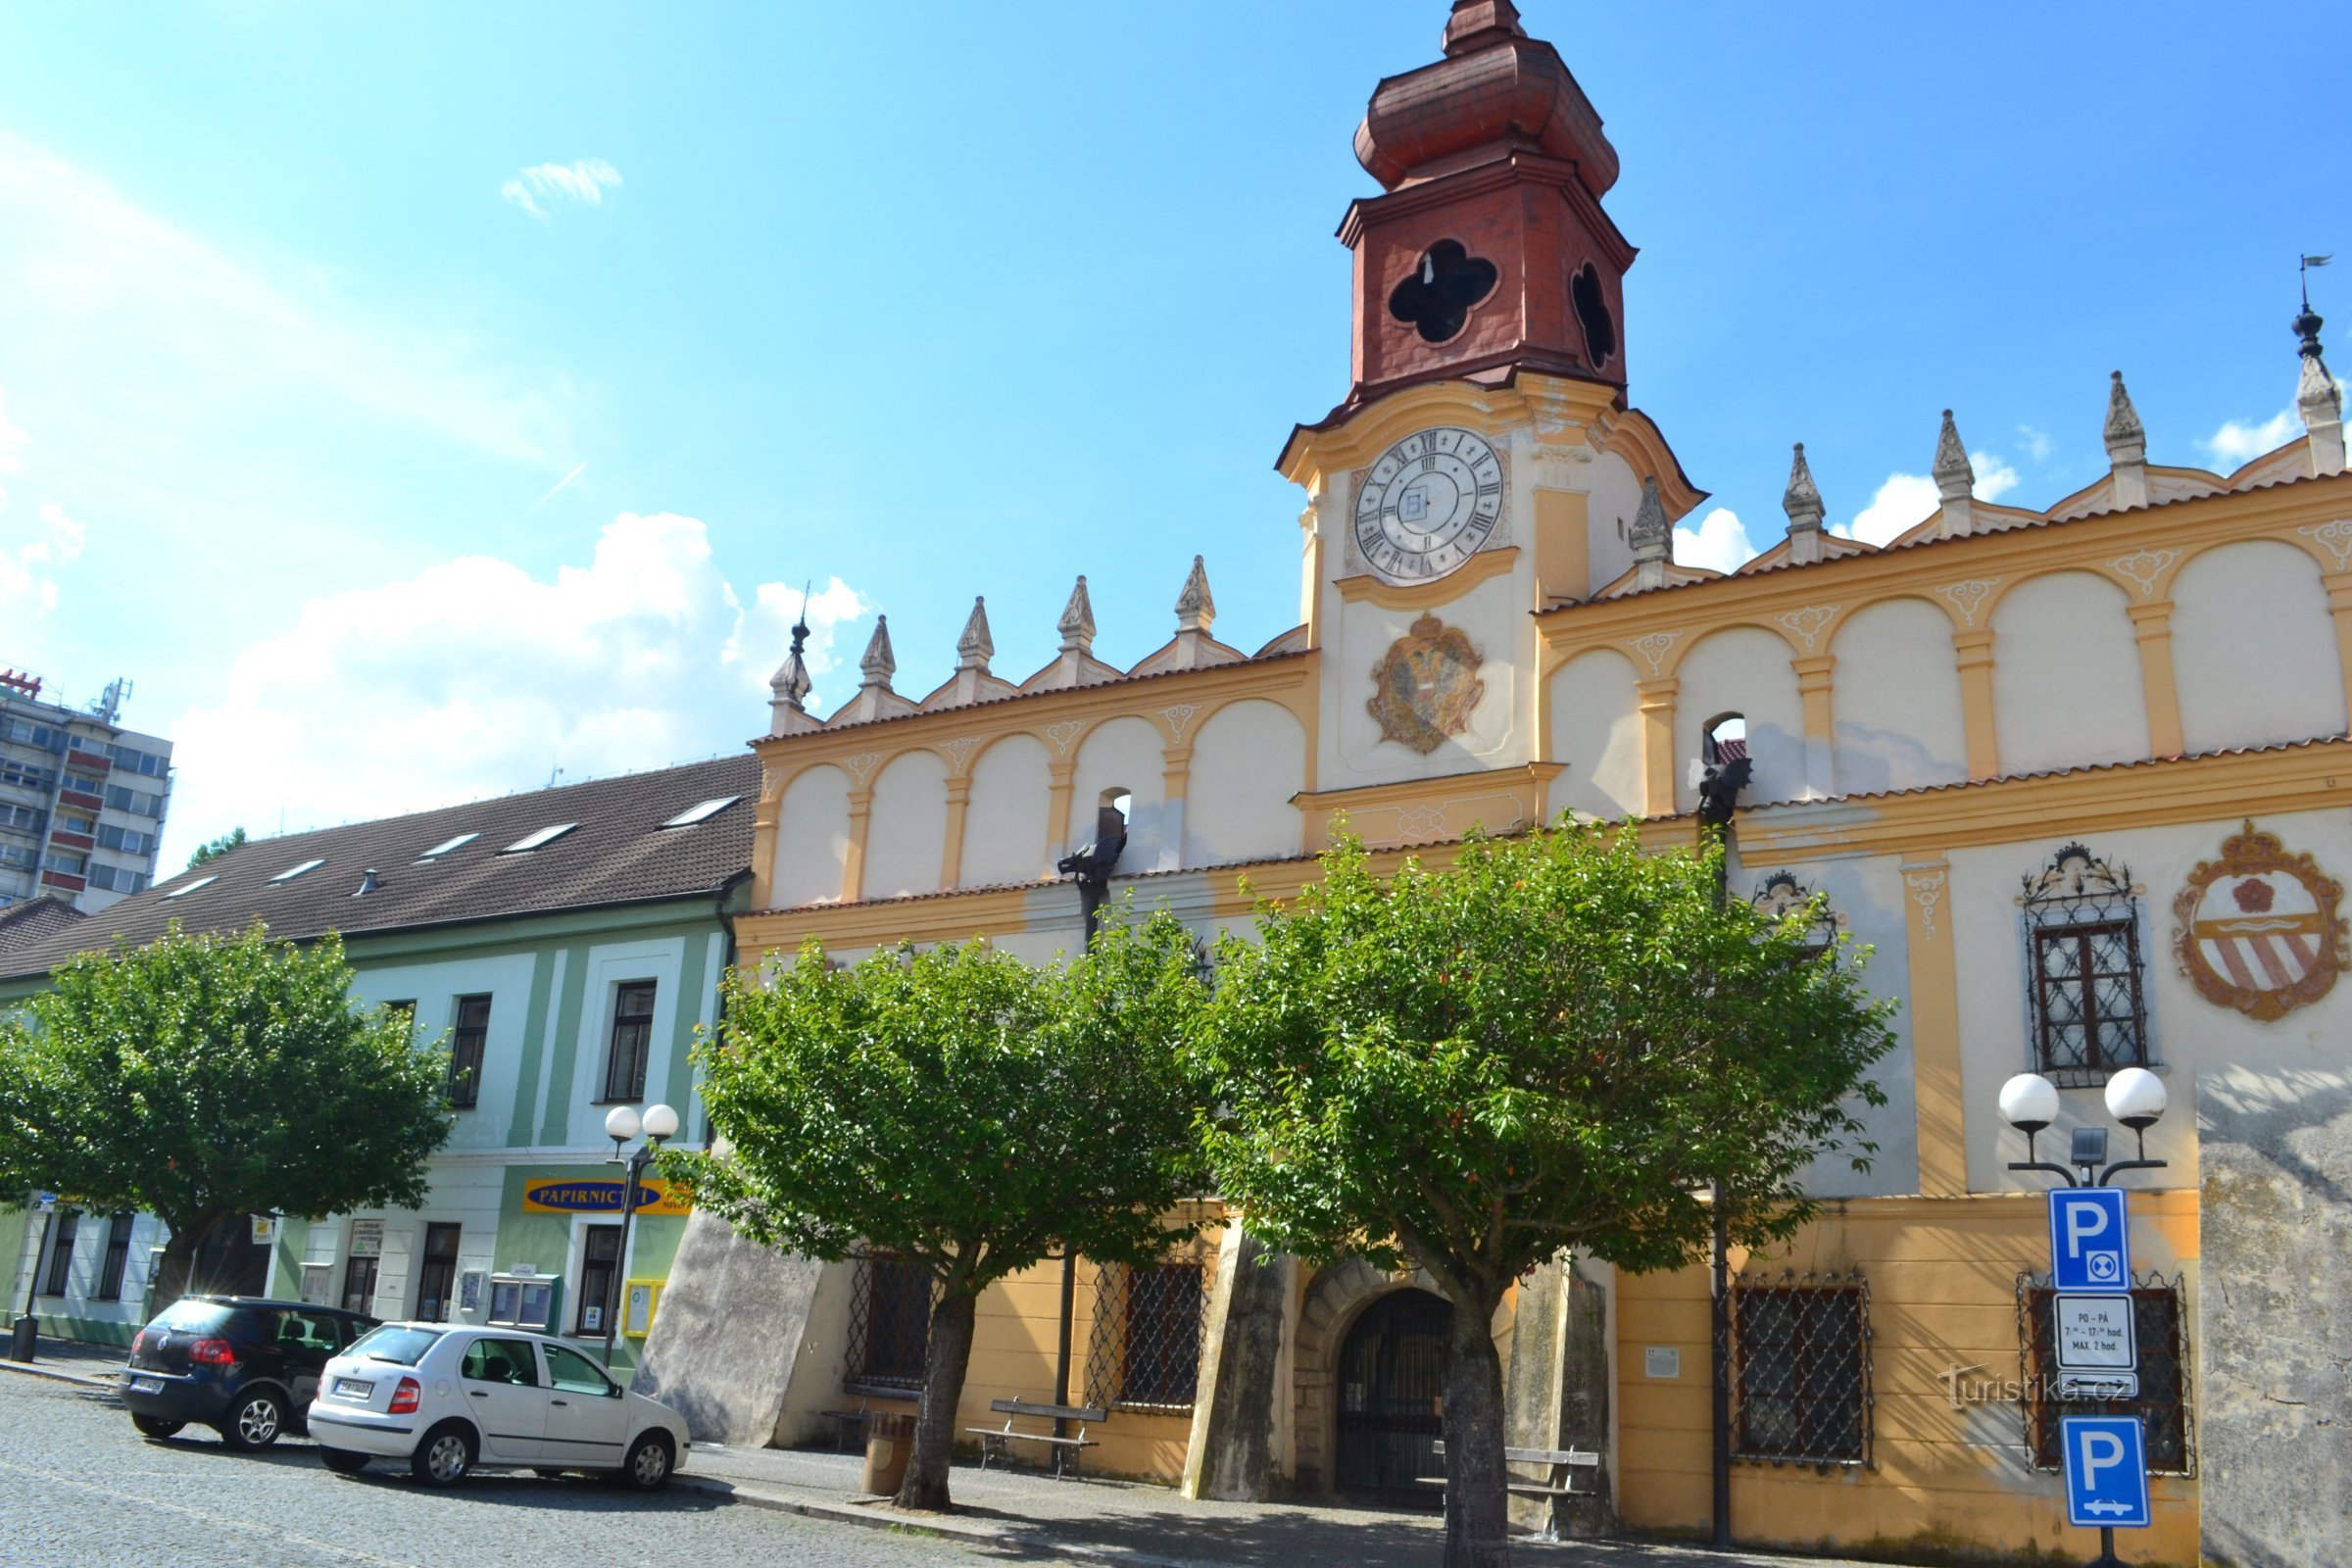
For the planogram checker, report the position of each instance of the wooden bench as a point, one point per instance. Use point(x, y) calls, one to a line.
point(1559, 1480)
point(997, 1442)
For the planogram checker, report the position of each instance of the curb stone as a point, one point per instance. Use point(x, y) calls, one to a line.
point(977, 1535)
point(56, 1376)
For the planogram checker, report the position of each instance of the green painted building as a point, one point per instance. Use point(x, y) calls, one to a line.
point(567, 945)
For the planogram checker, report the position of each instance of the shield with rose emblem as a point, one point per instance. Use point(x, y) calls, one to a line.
point(2259, 930)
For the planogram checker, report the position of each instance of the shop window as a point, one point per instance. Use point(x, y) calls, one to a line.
point(599, 1278)
point(632, 1042)
point(61, 1252)
point(1800, 1369)
point(2162, 1406)
point(118, 1257)
point(358, 1286)
point(2085, 942)
point(890, 1323)
point(465, 1051)
point(1145, 1346)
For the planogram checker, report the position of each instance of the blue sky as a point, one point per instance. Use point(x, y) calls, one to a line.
point(417, 400)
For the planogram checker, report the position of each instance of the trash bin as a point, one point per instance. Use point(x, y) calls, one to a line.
point(23, 1335)
point(889, 1443)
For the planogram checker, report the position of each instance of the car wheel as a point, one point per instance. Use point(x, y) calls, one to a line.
point(155, 1426)
point(343, 1463)
point(444, 1457)
point(254, 1422)
point(647, 1468)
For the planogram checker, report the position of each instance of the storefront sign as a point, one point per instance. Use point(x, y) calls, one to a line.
point(264, 1229)
point(577, 1197)
point(367, 1238)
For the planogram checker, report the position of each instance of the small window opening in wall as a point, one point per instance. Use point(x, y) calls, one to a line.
point(1119, 800)
point(1725, 740)
point(1593, 314)
point(1435, 300)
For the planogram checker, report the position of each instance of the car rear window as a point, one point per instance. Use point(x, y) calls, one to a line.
point(195, 1317)
point(400, 1347)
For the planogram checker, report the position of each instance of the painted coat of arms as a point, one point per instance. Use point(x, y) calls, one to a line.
point(1425, 686)
point(2259, 930)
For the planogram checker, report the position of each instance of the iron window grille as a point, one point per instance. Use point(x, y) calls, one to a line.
point(465, 1051)
point(2161, 1327)
point(1799, 1357)
point(1144, 1350)
point(632, 1042)
point(2085, 965)
point(118, 1257)
point(890, 1323)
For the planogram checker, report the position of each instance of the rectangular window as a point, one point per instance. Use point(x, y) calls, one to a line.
point(1800, 1372)
point(61, 1252)
point(118, 1257)
point(465, 1051)
point(139, 802)
point(2088, 1014)
point(599, 1278)
point(2157, 1322)
point(890, 1323)
point(63, 860)
point(358, 1286)
point(1163, 1361)
point(437, 1278)
point(632, 1041)
point(21, 819)
point(25, 776)
point(122, 840)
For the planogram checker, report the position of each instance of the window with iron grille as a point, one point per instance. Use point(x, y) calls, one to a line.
point(61, 1251)
point(1145, 1349)
point(465, 1051)
point(2086, 996)
point(118, 1257)
point(2161, 1327)
point(632, 1042)
point(1800, 1369)
point(890, 1323)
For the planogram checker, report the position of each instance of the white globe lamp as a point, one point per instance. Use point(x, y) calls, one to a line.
point(2030, 1103)
point(621, 1123)
point(2136, 1097)
point(660, 1123)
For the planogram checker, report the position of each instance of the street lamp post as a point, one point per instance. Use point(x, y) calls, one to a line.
point(659, 1124)
point(2136, 1096)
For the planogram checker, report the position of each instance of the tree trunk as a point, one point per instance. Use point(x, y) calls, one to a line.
point(944, 1363)
point(178, 1262)
point(1477, 1507)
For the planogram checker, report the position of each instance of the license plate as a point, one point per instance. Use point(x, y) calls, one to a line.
point(354, 1388)
point(146, 1385)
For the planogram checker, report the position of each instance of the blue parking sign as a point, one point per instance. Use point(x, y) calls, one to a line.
point(2091, 1242)
point(2106, 1471)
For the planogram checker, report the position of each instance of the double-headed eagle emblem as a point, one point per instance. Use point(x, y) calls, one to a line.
point(1426, 684)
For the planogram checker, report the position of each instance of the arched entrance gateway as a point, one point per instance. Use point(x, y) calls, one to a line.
point(1390, 1386)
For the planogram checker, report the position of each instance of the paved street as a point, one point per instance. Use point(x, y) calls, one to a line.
point(79, 1489)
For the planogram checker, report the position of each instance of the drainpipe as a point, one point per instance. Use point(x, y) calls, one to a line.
point(726, 922)
point(1090, 868)
point(1718, 808)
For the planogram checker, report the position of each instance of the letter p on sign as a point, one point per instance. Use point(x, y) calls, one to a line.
point(2090, 1246)
point(2106, 1471)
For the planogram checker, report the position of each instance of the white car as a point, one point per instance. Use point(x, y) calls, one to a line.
point(449, 1401)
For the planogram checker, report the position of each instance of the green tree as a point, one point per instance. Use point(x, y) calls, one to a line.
point(204, 1078)
point(960, 1110)
point(214, 849)
point(1560, 1041)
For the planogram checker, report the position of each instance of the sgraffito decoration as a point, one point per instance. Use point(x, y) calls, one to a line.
point(1426, 685)
point(2259, 930)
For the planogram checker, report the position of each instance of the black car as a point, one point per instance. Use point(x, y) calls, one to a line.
point(242, 1365)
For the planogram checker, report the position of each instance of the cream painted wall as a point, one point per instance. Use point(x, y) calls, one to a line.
point(813, 838)
point(1742, 670)
point(1123, 753)
point(1597, 730)
point(2254, 653)
point(1616, 497)
point(1896, 700)
point(1004, 825)
point(1248, 762)
point(908, 834)
point(2065, 676)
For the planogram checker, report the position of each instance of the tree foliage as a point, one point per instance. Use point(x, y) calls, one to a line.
point(202, 1078)
point(1560, 1041)
point(960, 1110)
point(214, 849)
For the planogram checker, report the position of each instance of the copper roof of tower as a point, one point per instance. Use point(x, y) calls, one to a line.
point(1497, 91)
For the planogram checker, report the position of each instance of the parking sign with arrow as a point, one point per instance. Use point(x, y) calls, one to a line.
point(2106, 1471)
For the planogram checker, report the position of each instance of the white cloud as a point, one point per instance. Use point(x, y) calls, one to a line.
point(1994, 478)
point(1908, 500)
point(28, 557)
point(2037, 443)
point(475, 678)
point(2238, 442)
point(1719, 541)
point(583, 182)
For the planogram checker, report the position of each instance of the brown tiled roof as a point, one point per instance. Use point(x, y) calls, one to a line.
point(22, 924)
point(618, 853)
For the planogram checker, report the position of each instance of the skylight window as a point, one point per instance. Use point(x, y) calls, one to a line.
point(539, 839)
point(701, 813)
point(200, 882)
point(293, 872)
point(446, 846)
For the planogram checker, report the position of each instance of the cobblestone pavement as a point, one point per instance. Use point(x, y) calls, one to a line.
point(80, 1489)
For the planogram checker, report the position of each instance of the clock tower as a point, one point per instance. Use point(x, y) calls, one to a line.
point(1485, 464)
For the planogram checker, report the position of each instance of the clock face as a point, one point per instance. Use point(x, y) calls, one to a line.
point(1428, 504)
